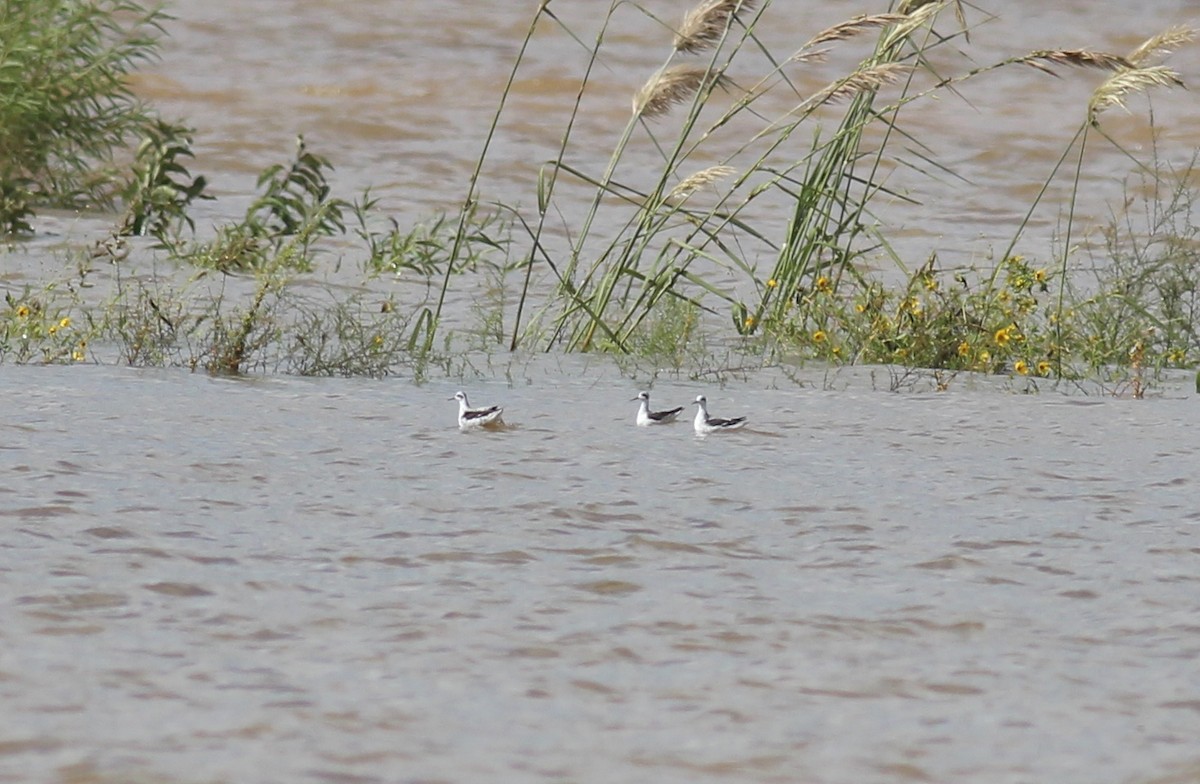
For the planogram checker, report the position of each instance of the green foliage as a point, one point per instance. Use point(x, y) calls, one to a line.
point(295, 199)
point(1144, 293)
point(427, 249)
point(280, 226)
point(347, 338)
point(38, 327)
point(935, 320)
point(66, 102)
point(161, 190)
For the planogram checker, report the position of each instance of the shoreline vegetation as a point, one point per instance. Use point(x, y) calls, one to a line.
point(828, 287)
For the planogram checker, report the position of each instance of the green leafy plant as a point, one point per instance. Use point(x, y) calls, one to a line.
point(280, 226)
point(67, 104)
point(162, 189)
point(426, 249)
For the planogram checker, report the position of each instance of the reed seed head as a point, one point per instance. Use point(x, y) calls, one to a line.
point(704, 25)
point(1075, 58)
point(853, 26)
point(695, 182)
point(908, 6)
point(671, 86)
point(1118, 87)
point(864, 80)
point(1162, 44)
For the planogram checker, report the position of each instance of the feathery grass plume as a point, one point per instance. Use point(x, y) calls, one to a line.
point(704, 25)
point(695, 182)
point(867, 79)
point(852, 27)
point(913, 20)
point(671, 86)
point(1076, 58)
point(1162, 44)
point(1115, 89)
point(809, 56)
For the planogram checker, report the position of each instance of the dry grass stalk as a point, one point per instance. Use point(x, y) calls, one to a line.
point(1134, 80)
point(1075, 58)
point(1162, 44)
point(860, 81)
point(695, 182)
point(704, 25)
point(673, 85)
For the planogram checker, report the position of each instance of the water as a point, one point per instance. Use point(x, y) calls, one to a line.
point(294, 580)
point(399, 94)
point(280, 579)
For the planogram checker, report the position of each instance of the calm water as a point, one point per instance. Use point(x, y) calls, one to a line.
point(289, 580)
point(293, 580)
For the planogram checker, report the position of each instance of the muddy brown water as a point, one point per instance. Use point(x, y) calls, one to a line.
point(280, 579)
point(299, 580)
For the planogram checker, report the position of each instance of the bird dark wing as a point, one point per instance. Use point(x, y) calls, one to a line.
point(480, 413)
point(718, 422)
point(660, 415)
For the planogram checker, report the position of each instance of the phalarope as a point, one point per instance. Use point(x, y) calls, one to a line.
point(469, 418)
point(647, 417)
point(706, 424)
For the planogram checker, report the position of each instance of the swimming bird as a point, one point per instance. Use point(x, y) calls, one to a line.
point(647, 417)
point(469, 418)
point(706, 424)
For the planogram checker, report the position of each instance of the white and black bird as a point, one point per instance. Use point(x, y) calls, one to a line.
point(706, 424)
point(646, 417)
point(470, 418)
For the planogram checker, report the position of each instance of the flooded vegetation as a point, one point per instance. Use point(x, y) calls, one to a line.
point(738, 206)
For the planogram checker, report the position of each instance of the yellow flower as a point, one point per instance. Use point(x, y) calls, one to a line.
point(824, 285)
point(1040, 276)
point(860, 308)
point(22, 311)
point(52, 329)
point(931, 283)
point(66, 322)
point(912, 305)
point(749, 321)
point(1002, 337)
point(1016, 259)
point(836, 351)
point(77, 355)
point(985, 357)
point(1022, 367)
point(819, 336)
point(378, 340)
point(964, 349)
point(772, 283)
point(1043, 368)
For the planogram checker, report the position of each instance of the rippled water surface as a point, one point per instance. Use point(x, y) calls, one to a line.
point(292, 580)
point(399, 94)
